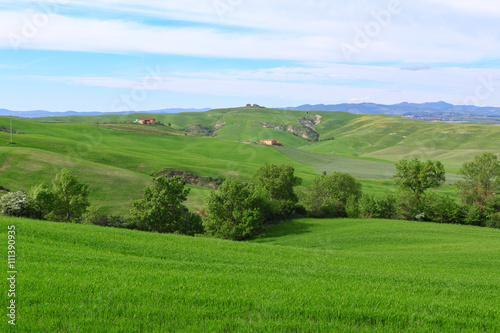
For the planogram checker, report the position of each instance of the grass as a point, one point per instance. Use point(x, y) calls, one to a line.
point(119, 164)
point(304, 276)
point(149, 129)
point(356, 167)
point(118, 158)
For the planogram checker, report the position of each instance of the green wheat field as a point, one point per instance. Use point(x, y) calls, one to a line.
point(339, 275)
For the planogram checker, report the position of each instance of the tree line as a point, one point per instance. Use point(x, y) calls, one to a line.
point(239, 210)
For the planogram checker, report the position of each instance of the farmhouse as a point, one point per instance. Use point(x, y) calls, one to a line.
point(146, 121)
point(269, 142)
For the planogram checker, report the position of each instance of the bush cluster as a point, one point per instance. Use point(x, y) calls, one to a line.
point(238, 210)
point(65, 200)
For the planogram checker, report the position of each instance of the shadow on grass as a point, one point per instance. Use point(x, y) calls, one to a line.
point(294, 227)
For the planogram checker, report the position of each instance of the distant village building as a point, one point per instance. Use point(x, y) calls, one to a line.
point(146, 121)
point(269, 142)
point(249, 105)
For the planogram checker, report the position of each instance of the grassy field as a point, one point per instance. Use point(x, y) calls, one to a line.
point(118, 164)
point(118, 159)
point(304, 276)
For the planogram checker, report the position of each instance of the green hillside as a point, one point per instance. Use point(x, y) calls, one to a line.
point(118, 157)
point(304, 276)
point(384, 137)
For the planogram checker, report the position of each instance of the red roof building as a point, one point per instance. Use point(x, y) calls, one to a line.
point(147, 121)
point(269, 142)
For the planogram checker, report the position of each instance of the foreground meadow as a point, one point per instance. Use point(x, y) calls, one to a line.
point(305, 275)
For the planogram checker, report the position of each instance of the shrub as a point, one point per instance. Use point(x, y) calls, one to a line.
point(116, 221)
point(234, 211)
point(475, 216)
point(161, 208)
point(352, 207)
point(327, 196)
point(493, 220)
point(442, 209)
point(15, 204)
point(383, 207)
point(408, 206)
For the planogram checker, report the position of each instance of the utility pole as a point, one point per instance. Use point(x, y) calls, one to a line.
point(11, 129)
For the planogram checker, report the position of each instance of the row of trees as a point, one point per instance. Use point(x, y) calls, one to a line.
point(239, 210)
point(236, 210)
point(478, 189)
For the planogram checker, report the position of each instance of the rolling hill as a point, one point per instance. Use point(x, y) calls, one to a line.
point(118, 157)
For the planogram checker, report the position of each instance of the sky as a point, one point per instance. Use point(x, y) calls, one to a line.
point(129, 55)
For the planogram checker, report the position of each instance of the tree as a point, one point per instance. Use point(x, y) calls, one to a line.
point(328, 195)
point(69, 197)
point(161, 208)
point(42, 200)
point(15, 204)
point(234, 211)
point(416, 177)
point(481, 181)
point(279, 182)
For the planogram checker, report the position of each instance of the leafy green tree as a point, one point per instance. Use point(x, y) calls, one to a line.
point(279, 181)
point(328, 195)
point(234, 211)
point(161, 208)
point(15, 204)
point(481, 181)
point(42, 200)
point(416, 177)
point(69, 197)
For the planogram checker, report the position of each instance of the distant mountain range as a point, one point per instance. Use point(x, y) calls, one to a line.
point(43, 113)
point(423, 110)
point(405, 109)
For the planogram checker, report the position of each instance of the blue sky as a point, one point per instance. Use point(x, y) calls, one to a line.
point(116, 55)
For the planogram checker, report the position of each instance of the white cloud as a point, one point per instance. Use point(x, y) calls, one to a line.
point(324, 83)
point(483, 7)
point(436, 35)
point(294, 30)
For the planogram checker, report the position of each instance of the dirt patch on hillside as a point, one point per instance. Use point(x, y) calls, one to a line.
point(6, 165)
point(192, 179)
point(7, 130)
